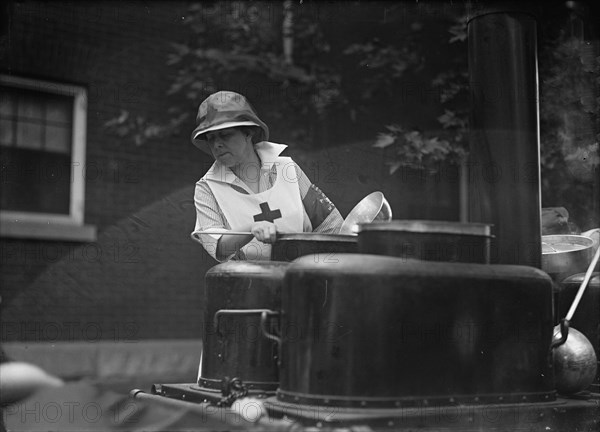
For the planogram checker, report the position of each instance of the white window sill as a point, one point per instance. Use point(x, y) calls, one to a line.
point(49, 230)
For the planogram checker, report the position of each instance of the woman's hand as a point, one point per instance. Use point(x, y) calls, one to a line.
point(264, 231)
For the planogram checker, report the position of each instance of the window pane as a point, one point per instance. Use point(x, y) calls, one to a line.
point(7, 103)
point(30, 107)
point(58, 139)
point(37, 139)
point(35, 181)
point(59, 109)
point(6, 132)
point(29, 135)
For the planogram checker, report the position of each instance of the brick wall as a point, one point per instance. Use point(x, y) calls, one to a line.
point(142, 278)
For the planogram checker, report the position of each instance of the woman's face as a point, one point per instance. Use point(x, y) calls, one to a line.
point(230, 146)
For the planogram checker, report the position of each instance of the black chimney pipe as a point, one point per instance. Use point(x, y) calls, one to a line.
point(504, 166)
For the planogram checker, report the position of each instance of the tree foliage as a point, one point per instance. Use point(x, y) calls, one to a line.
point(417, 149)
point(240, 46)
point(569, 124)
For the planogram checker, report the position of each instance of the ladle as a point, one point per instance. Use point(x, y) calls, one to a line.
point(574, 357)
point(565, 321)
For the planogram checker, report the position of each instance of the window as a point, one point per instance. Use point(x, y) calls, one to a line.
point(42, 156)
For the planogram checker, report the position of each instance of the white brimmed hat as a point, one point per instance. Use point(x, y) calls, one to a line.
point(223, 110)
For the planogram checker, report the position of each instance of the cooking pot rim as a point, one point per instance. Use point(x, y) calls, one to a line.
point(429, 227)
point(239, 267)
point(578, 278)
point(576, 239)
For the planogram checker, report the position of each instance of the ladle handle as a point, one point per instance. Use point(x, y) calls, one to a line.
point(586, 279)
point(224, 232)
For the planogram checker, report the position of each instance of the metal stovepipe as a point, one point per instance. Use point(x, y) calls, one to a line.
point(504, 166)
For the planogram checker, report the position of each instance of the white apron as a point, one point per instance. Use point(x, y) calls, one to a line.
point(281, 204)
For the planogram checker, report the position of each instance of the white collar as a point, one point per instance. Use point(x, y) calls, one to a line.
point(268, 153)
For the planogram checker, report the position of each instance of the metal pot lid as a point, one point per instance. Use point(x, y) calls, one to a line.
point(373, 207)
point(428, 226)
point(562, 243)
point(248, 267)
point(316, 237)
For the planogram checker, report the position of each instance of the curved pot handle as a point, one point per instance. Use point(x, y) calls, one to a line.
point(564, 334)
point(263, 326)
point(222, 312)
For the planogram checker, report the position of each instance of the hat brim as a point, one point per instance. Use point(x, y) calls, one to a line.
point(202, 144)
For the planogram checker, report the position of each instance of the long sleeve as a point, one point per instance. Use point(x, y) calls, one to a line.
point(208, 217)
point(323, 215)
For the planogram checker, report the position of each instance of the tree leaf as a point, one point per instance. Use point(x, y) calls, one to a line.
point(394, 167)
point(384, 140)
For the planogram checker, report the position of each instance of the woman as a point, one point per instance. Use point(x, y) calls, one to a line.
point(250, 187)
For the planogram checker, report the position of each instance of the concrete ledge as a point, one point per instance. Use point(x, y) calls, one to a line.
point(48, 230)
point(153, 360)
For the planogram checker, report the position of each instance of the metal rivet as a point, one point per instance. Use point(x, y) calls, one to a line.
point(451, 400)
point(501, 398)
point(476, 399)
point(363, 403)
point(183, 397)
point(425, 402)
point(397, 403)
point(390, 423)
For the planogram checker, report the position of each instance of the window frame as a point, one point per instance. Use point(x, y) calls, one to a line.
point(20, 224)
